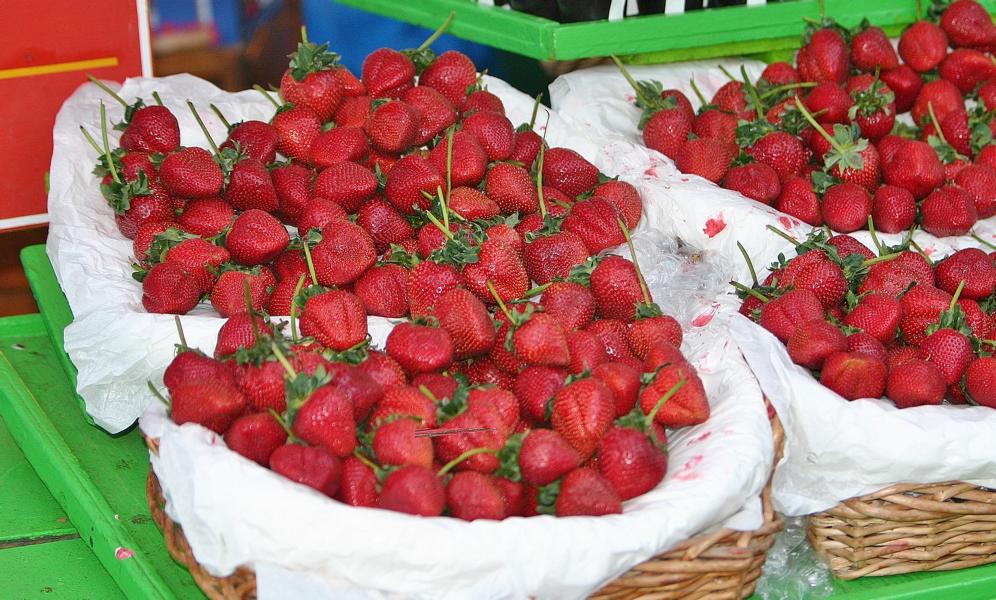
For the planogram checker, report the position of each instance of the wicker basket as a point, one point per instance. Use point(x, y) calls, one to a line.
point(908, 528)
point(721, 565)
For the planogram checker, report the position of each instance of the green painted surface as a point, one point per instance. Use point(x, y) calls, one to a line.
point(55, 570)
point(27, 510)
point(98, 479)
point(710, 33)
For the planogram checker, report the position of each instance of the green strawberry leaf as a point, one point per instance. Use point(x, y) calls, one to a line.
point(546, 498)
point(120, 194)
point(508, 458)
point(311, 58)
point(129, 115)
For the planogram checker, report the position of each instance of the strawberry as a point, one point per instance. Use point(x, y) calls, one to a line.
point(630, 461)
point(979, 381)
point(313, 466)
point(339, 144)
point(526, 148)
point(534, 388)
point(595, 222)
point(782, 152)
point(616, 288)
point(780, 73)
point(454, 448)
point(336, 319)
point(358, 486)
point(256, 237)
point(250, 187)
point(922, 306)
point(494, 132)
point(799, 200)
point(206, 217)
point(687, 405)
point(979, 181)
point(554, 255)
point(362, 391)
point(874, 108)
point(667, 132)
point(878, 315)
point(468, 163)
point(192, 365)
point(211, 403)
point(782, 315)
point(915, 383)
point(167, 289)
point(385, 225)
point(472, 205)
point(987, 94)
point(645, 333)
point(392, 126)
point(847, 245)
point(395, 443)
point(545, 456)
point(320, 214)
point(950, 350)
point(420, 348)
point(612, 333)
point(326, 419)
point(941, 95)
point(297, 128)
point(718, 125)
point(893, 209)
point(387, 73)
point(381, 289)
point(292, 183)
point(427, 282)
point(915, 167)
point(585, 492)
point(255, 437)
point(923, 46)
point(582, 412)
point(948, 210)
point(540, 340)
point(905, 83)
point(471, 496)
point(465, 318)
point(151, 129)
point(864, 343)
point(569, 172)
point(571, 303)
point(811, 343)
point(680, 100)
point(756, 181)
point(846, 207)
point(311, 80)
point(383, 369)
point(408, 179)
point(823, 57)
point(832, 99)
point(512, 188)
point(353, 111)
point(405, 401)
point(704, 157)
point(435, 113)
point(731, 97)
point(483, 371)
point(344, 253)
point(623, 381)
point(971, 266)
point(451, 74)
point(239, 331)
point(500, 265)
point(967, 68)
point(871, 50)
point(262, 382)
point(191, 173)
point(483, 101)
point(258, 140)
point(967, 23)
point(854, 375)
point(198, 258)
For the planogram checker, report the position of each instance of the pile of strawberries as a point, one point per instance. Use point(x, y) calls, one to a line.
point(895, 324)
point(820, 141)
point(531, 373)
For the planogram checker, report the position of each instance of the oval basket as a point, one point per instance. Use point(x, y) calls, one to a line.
point(720, 565)
point(908, 528)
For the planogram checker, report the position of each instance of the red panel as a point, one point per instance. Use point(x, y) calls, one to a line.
point(38, 33)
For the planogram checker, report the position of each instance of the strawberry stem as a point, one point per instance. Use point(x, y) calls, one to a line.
point(727, 73)
point(649, 422)
point(750, 263)
point(879, 259)
point(874, 236)
point(783, 234)
point(266, 94)
point(283, 425)
point(937, 125)
point(954, 298)
point(435, 221)
point(249, 309)
point(788, 86)
point(179, 332)
point(221, 117)
point(435, 34)
point(428, 394)
point(698, 93)
point(456, 461)
point(921, 252)
point(159, 101)
point(93, 142)
point(449, 171)
point(989, 245)
point(636, 263)
point(743, 288)
point(293, 306)
point(536, 105)
point(536, 291)
point(107, 145)
point(283, 360)
point(310, 263)
point(444, 205)
point(366, 461)
point(819, 128)
point(203, 127)
point(629, 79)
point(109, 91)
point(752, 92)
point(501, 303)
point(539, 180)
point(159, 395)
point(304, 34)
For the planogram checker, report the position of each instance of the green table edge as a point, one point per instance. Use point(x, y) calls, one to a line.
point(57, 466)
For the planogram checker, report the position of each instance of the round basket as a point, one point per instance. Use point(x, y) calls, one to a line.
point(908, 528)
point(721, 565)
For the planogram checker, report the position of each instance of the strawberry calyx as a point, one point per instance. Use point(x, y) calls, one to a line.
point(311, 58)
point(945, 151)
point(644, 422)
point(119, 194)
point(423, 56)
point(954, 318)
point(877, 97)
point(456, 461)
point(704, 105)
point(648, 95)
point(824, 22)
point(980, 132)
point(449, 408)
point(508, 458)
point(749, 133)
point(353, 355)
point(546, 498)
point(399, 256)
point(846, 143)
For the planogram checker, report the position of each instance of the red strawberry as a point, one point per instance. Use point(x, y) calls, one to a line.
point(971, 265)
point(915, 383)
point(256, 237)
point(451, 74)
point(192, 365)
point(198, 258)
point(427, 282)
point(500, 265)
point(255, 437)
point(950, 350)
point(471, 204)
point(631, 462)
point(362, 391)
point(512, 188)
point(312, 466)
point(878, 315)
point(846, 207)
point(467, 321)
point(979, 381)
point(435, 113)
point(613, 336)
point(782, 152)
point(967, 68)
point(780, 73)
point(262, 384)
point(326, 419)
point(979, 181)
point(832, 99)
point(645, 333)
point(292, 183)
point(392, 126)
point(731, 97)
point(395, 443)
point(483, 101)
point(336, 319)
point(320, 213)
point(864, 343)
point(471, 496)
point(948, 210)
point(385, 225)
point(569, 172)
point(383, 369)
point(893, 209)
point(799, 200)
point(526, 148)
point(191, 173)
point(914, 167)
point(406, 181)
point(782, 315)
point(824, 57)
point(922, 306)
point(483, 371)
point(585, 492)
point(344, 253)
point(414, 490)
point(494, 132)
point(311, 79)
point(586, 351)
point(381, 289)
point(624, 383)
point(616, 288)
point(353, 111)
point(686, 406)
point(854, 375)
point(339, 144)
point(756, 181)
point(347, 184)
point(297, 129)
point(387, 73)
point(257, 139)
point(967, 23)
point(405, 401)
point(571, 303)
point(212, 403)
point(419, 348)
point(718, 125)
point(595, 222)
point(811, 343)
point(239, 332)
point(905, 83)
point(923, 46)
point(872, 50)
point(167, 289)
point(582, 412)
point(151, 129)
point(545, 456)
point(667, 132)
point(704, 157)
point(250, 187)
point(358, 486)
point(206, 217)
point(468, 163)
point(540, 340)
point(534, 388)
point(941, 95)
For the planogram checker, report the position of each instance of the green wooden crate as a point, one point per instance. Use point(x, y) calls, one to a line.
point(773, 29)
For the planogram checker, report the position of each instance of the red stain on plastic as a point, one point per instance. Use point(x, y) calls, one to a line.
point(786, 222)
point(651, 172)
point(686, 473)
point(123, 553)
point(714, 225)
point(700, 438)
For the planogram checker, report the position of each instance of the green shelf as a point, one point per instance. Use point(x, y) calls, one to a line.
point(772, 30)
point(98, 480)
